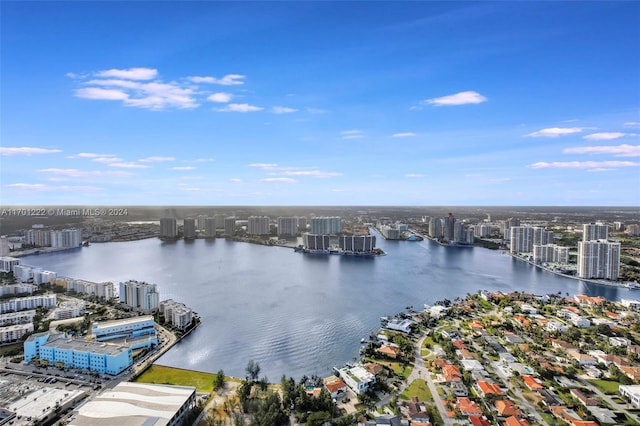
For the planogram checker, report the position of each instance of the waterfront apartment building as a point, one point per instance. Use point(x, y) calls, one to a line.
point(315, 242)
point(176, 313)
point(287, 227)
point(139, 295)
point(201, 221)
point(66, 238)
point(326, 225)
point(229, 226)
point(189, 228)
point(56, 349)
point(391, 232)
point(4, 246)
point(105, 290)
point(598, 259)
point(302, 223)
point(523, 238)
point(595, 232)
point(210, 227)
point(550, 253)
point(137, 332)
point(220, 220)
point(507, 225)
point(38, 237)
point(7, 263)
point(435, 228)
point(448, 227)
point(30, 302)
point(258, 225)
point(168, 228)
point(357, 243)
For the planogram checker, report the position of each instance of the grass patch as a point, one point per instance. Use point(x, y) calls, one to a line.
point(160, 374)
point(607, 387)
point(548, 418)
point(418, 388)
point(396, 367)
point(428, 342)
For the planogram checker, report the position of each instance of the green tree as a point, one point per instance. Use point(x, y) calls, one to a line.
point(219, 380)
point(269, 412)
point(253, 370)
point(318, 418)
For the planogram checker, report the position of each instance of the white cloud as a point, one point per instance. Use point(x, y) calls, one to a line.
point(203, 160)
point(634, 124)
point(90, 155)
point(265, 166)
point(156, 159)
point(220, 97)
point(130, 74)
point(403, 135)
point(98, 93)
point(235, 180)
point(26, 150)
point(461, 98)
point(86, 173)
point(279, 179)
point(605, 136)
point(583, 164)
point(282, 110)
point(107, 160)
point(227, 80)
point(129, 165)
point(183, 168)
point(618, 150)
point(312, 173)
point(414, 175)
point(42, 187)
point(352, 134)
point(554, 132)
point(153, 95)
point(240, 108)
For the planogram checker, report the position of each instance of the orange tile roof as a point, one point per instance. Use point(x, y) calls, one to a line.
point(505, 407)
point(531, 382)
point(514, 421)
point(459, 344)
point(335, 386)
point(476, 324)
point(489, 388)
point(584, 423)
point(389, 350)
point(467, 406)
point(479, 421)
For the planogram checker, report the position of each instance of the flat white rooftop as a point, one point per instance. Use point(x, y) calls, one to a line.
point(134, 404)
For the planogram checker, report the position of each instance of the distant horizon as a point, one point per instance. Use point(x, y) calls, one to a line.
point(8, 206)
point(320, 103)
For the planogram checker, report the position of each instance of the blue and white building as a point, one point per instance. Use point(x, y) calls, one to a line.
point(56, 349)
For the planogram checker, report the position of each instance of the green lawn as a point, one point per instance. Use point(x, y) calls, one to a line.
point(608, 387)
point(176, 376)
point(418, 388)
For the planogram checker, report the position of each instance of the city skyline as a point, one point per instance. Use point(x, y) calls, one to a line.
point(320, 103)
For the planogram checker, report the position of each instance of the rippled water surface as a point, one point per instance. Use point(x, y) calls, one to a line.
point(298, 314)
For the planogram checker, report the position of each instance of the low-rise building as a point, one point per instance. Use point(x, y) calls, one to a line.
point(138, 404)
point(13, 333)
point(357, 378)
point(632, 393)
point(69, 309)
point(56, 349)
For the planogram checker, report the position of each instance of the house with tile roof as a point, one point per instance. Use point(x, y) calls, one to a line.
point(467, 407)
point(486, 388)
point(531, 382)
point(506, 408)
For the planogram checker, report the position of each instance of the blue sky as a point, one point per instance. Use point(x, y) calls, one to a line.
point(320, 103)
